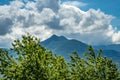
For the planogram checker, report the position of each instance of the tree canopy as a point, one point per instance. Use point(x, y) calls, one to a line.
point(34, 62)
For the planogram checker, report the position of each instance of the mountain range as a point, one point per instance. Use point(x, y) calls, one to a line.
point(60, 45)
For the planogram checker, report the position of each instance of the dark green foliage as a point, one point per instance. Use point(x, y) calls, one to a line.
point(34, 62)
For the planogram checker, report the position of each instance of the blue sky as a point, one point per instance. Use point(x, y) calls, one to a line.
point(108, 6)
point(94, 22)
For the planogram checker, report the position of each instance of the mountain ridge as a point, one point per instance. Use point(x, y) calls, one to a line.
point(60, 45)
point(63, 46)
point(114, 47)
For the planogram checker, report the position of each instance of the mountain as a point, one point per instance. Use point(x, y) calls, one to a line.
point(112, 54)
point(115, 47)
point(63, 46)
point(111, 51)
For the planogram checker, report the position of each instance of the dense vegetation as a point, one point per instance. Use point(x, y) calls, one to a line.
point(34, 62)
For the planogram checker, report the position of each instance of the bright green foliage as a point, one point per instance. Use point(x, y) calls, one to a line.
point(94, 67)
point(34, 62)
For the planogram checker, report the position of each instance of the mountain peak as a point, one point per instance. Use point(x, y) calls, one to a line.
point(55, 37)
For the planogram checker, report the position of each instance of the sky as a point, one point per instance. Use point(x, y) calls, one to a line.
point(95, 22)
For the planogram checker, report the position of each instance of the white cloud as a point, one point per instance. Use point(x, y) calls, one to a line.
point(75, 3)
point(42, 19)
point(116, 37)
point(54, 5)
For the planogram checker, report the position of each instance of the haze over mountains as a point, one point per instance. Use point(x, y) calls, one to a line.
point(63, 46)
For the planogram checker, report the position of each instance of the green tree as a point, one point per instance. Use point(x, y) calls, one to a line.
point(93, 67)
point(34, 62)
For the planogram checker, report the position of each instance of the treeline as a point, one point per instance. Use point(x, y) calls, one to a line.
point(34, 62)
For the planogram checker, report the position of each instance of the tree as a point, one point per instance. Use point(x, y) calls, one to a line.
point(34, 62)
point(94, 67)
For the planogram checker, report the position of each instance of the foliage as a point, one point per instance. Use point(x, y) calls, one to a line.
point(34, 62)
point(94, 67)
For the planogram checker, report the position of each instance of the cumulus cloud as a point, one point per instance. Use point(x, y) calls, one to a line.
point(43, 18)
point(75, 3)
point(5, 24)
point(116, 37)
point(54, 5)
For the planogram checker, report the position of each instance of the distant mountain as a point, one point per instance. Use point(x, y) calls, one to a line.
point(63, 46)
point(54, 40)
point(115, 47)
point(111, 51)
point(112, 54)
